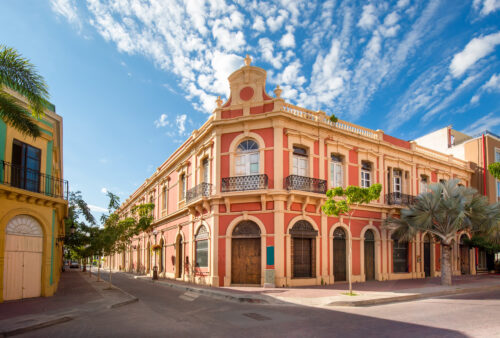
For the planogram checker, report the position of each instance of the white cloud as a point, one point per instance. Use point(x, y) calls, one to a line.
point(104, 190)
point(487, 122)
point(493, 84)
point(487, 6)
point(162, 121)
point(475, 50)
point(67, 9)
point(180, 121)
point(95, 208)
point(267, 50)
point(259, 24)
point(402, 3)
point(368, 17)
point(288, 40)
point(275, 23)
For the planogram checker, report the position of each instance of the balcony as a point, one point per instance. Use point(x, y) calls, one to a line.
point(397, 198)
point(201, 190)
point(309, 184)
point(32, 180)
point(244, 183)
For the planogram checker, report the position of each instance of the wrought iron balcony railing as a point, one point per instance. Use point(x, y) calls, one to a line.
point(242, 183)
point(397, 198)
point(32, 180)
point(201, 190)
point(295, 182)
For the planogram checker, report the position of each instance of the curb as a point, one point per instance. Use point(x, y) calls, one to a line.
point(37, 326)
point(132, 299)
point(397, 299)
point(213, 293)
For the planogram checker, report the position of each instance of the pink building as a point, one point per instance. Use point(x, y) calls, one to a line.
point(240, 201)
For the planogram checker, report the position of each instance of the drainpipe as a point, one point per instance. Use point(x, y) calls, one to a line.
point(484, 166)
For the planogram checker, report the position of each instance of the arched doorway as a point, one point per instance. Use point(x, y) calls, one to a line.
point(369, 255)
point(427, 255)
point(303, 249)
point(179, 256)
point(162, 256)
point(246, 254)
point(464, 256)
point(23, 258)
point(138, 258)
point(339, 255)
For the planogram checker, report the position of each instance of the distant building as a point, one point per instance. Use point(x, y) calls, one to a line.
point(481, 150)
point(33, 205)
point(239, 202)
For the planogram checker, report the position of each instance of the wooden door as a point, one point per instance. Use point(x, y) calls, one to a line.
point(22, 267)
point(339, 259)
point(179, 257)
point(464, 259)
point(427, 259)
point(302, 257)
point(369, 259)
point(245, 261)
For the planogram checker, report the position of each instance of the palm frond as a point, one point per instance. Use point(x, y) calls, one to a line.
point(21, 75)
point(17, 116)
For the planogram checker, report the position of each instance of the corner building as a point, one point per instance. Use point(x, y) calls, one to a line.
point(240, 201)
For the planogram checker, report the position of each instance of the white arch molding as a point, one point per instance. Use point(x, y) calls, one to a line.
point(24, 225)
point(236, 142)
point(229, 236)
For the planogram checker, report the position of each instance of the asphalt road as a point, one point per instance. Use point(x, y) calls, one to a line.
point(166, 312)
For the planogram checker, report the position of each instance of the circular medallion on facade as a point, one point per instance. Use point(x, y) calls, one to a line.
point(246, 93)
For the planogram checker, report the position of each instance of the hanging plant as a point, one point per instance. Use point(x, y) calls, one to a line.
point(156, 247)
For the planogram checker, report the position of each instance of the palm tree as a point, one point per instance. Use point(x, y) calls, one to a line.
point(20, 75)
point(444, 210)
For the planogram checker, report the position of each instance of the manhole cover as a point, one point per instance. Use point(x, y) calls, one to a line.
point(256, 316)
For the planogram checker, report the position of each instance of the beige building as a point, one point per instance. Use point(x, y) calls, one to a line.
point(239, 202)
point(33, 205)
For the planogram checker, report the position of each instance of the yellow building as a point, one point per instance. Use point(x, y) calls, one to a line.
point(33, 205)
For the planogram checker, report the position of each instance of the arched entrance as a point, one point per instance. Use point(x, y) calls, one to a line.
point(339, 255)
point(464, 256)
point(138, 258)
point(179, 256)
point(427, 255)
point(162, 256)
point(303, 249)
point(246, 254)
point(369, 255)
point(22, 275)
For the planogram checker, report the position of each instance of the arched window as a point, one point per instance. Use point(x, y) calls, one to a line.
point(247, 158)
point(201, 247)
point(399, 255)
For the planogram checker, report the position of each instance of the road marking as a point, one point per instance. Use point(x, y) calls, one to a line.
point(189, 296)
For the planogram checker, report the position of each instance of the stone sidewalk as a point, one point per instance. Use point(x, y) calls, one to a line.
point(368, 293)
point(78, 293)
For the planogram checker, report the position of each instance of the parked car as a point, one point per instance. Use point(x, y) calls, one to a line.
point(74, 265)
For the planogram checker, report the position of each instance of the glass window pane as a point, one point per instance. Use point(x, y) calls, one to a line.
point(202, 253)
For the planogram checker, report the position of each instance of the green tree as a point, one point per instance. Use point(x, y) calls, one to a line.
point(342, 201)
point(20, 75)
point(447, 208)
point(494, 169)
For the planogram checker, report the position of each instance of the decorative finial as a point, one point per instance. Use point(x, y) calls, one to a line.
point(219, 102)
point(278, 92)
point(248, 60)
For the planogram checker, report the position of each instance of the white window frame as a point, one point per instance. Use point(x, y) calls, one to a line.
point(397, 180)
point(424, 185)
point(205, 167)
point(336, 173)
point(182, 186)
point(300, 164)
point(247, 162)
point(366, 176)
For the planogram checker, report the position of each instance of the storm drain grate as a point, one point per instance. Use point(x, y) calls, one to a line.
point(256, 316)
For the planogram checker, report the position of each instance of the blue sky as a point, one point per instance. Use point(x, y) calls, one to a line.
point(133, 78)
